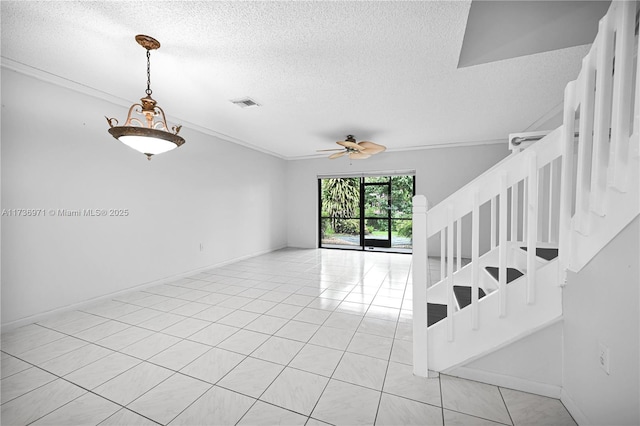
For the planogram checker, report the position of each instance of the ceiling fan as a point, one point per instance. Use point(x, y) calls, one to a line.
point(356, 151)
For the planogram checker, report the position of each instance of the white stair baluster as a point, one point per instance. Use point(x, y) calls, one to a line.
point(443, 253)
point(566, 191)
point(421, 281)
point(502, 246)
point(514, 212)
point(450, 295)
point(459, 244)
point(602, 115)
point(585, 145)
point(525, 217)
point(493, 222)
point(543, 178)
point(532, 230)
point(475, 259)
point(619, 154)
point(554, 200)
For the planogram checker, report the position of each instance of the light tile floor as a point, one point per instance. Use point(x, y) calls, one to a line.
point(296, 337)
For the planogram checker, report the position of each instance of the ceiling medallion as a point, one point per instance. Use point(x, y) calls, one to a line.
point(146, 127)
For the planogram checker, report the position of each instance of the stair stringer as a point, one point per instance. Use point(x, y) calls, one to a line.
point(493, 331)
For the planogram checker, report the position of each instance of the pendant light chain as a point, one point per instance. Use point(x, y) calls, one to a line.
point(148, 91)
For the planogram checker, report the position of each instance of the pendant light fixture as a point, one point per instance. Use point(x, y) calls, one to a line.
point(146, 128)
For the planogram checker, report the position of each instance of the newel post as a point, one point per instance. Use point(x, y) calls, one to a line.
point(420, 265)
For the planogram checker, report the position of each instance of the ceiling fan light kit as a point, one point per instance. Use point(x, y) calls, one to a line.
point(146, 127)
point(356, 151)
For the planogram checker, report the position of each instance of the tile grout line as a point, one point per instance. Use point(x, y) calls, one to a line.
point(441, 398)
point(280, 373)
point(57, 377)
point(247, 356)
point(384, 380)
point(505, 404)
point(473, 415)
point(221, 378)
point(334, 370)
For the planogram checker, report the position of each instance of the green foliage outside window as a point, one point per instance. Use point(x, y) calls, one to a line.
point(341, 200)
point(341, 205)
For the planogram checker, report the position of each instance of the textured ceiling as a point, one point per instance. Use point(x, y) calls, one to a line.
point(383, 71)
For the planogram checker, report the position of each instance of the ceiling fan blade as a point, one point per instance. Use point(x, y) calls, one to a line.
point(351, 145)
point(370, 151)
point(337, 154)
point(323, 150)
point(371, 147)
point(358, 156)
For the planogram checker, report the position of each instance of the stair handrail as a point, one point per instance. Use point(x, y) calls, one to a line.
point(487, 185)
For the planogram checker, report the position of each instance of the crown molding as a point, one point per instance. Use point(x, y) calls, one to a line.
point(419, 148)
point(21, 68)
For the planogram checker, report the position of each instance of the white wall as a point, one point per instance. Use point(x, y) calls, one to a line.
point(532, 364)
point(57, 154)
point(439, 173)
point(601, 305)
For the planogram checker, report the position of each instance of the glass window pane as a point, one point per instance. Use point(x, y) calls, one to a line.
point(376, 201)
point(376, 229)
point(337, 232)
point(376, 179)
point(401, 233)
point(401, 196)
point(340, 197)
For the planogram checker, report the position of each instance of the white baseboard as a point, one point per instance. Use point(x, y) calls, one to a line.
point(517, 383)
point(573, 409)
point(75, 306)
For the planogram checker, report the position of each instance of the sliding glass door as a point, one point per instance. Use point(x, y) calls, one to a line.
point(377, 212)
point(366, 213)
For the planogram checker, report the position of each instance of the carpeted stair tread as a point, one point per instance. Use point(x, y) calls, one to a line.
point(463, 294)
point(435, 312)
point(512, 273)
point(545, 253)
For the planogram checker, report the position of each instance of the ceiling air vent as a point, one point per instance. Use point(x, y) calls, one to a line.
point(245, 102)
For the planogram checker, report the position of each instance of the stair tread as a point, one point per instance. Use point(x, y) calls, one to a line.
point(512, 273)
point(435, 313)
point(544, 252)
point(463, 294)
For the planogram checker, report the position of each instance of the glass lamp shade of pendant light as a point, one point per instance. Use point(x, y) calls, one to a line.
point(146, 127)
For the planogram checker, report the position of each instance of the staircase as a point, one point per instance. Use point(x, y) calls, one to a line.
point(548, 208)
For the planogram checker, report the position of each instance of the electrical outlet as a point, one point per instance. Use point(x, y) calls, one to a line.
point(603, 357)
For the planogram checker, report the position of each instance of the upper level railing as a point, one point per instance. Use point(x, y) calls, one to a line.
point(546, 193)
